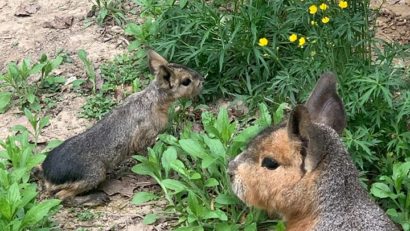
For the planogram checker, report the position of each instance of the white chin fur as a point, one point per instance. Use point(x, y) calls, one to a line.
point(239, 189)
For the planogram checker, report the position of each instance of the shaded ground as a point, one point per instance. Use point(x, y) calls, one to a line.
point(36, 33)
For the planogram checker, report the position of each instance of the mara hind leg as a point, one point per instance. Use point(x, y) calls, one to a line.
point(70, 193)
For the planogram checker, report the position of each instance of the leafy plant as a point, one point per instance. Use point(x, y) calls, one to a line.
point(89, 68)
point(120, 76)
point(191, 171)
point(16, 82)
point(109, 10)
point(97, 106)
point(19, 208)
point(394, 190)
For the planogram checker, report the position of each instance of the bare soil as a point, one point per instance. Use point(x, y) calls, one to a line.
point(31, 28)
point(36, 27)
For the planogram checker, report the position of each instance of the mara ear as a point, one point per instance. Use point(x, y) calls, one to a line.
point(300, 129)
point(164, 77)
point(155, 62)
point(324, 104)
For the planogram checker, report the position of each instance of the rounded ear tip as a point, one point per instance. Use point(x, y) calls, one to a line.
point(329, 77)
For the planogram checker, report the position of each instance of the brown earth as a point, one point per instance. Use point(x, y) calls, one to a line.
point(32, 28)
point(51, 27)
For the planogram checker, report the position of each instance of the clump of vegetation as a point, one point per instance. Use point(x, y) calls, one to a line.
point(107, 10)
point(191, 170)
point(17, 82)
point(120, 76)
point(19, 208)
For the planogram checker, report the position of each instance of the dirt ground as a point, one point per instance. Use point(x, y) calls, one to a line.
point(31, 28)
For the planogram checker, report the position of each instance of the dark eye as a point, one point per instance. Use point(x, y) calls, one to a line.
point(269, 163)
point(186, 82)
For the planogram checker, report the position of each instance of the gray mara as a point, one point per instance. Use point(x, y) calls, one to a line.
point(81, 163)
point(301, 171)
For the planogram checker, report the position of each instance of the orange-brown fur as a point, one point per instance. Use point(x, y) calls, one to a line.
point(287, 180)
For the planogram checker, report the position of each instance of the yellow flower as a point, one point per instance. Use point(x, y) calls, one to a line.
point(293, 37)
point(312, 9)
point(343, 4)
point(302, 41)
point(323, 6)
point(325, 19)
point(263, 42)
point(313, 23)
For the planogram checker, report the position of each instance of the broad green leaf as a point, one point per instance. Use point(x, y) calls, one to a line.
point(38, 212)
point(175, 185)
point(215, 214)
point(265, 118)
point(168, 139)
point(193, 204)
point(143, 169)
point(225, 199)
point(191, 228)
point(251, 227)
point(28, 194)
point(150, 219)
point(224, 226)
point(195, 176)
point(6, 209)
point(179, 166)
point(5, 98)
point(169, 156)
point(193, 148)
point(211, 182)
point(13, 196)
point(381, 190)
point(279, 113)
point(183, 3)
point(208, 161)
point(142, 197)
point(216, 147)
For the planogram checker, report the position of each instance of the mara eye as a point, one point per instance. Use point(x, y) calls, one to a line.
point(186, 82)
point(269, 163)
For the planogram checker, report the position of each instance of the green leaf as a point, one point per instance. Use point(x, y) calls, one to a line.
point(193, 148)
point(142, 197)
point(216, 147)
point(193, 204)
point(251, 227)
point(5, 98)
point(6, 209)
point(31, 98)
point(215, 214)
point(225, 199)
point(175, 185)
point(211, 182)
point(179, 166)
point(381, 190)
point(183, 3)
point(150, 219)
point(143, 169)
point(208, 161)
point(38, 212)
point(279, 113)
point(191, 228)
point(169, 156)
point(265, 118)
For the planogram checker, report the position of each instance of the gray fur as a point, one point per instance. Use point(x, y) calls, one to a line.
point(82, 162)
point(343, 203)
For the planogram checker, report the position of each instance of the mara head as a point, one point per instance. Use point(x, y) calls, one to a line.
point(174, 79)
point(279, 168)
